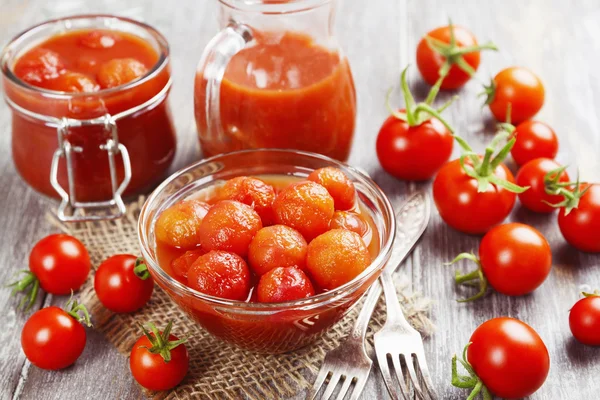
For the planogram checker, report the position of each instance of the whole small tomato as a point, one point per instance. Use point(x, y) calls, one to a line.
point(506, 357)
point(579, 218)
point(123, 283)
point(516, 88)
point(584, 319)
point(159, 361)
point(415, 142)
point(451, 53)
point(53, 338)
point(58, 263)
point(542, 175)
point(515, 259)
point(535, 139)
point(474, 193)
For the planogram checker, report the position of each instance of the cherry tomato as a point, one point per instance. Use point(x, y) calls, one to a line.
point(464, 208)
point(584, 320)
point(535, 139)
point(430, 60)
point(53, 338)
point(182, 264)
point(120, 71)
point(413, 153)
point(98, 39)
point(349, 220)
point(61, 263)
point(581, 225)
point(159, 364)
point(73, 82)
point(119, 287)
point(520, 88)
point(532, 174)
point(220, 274)
point(38, 66)
point(509, 357)
point(284, 284)
point(515, 258)
point(339, 186)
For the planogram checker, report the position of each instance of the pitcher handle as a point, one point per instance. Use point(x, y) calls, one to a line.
point(213, 63)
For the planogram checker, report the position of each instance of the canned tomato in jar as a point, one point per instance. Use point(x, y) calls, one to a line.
point(90, 119)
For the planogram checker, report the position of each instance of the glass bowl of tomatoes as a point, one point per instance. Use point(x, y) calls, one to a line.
point(266, 249)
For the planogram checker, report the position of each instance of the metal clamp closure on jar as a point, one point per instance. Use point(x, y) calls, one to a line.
point(111, 146)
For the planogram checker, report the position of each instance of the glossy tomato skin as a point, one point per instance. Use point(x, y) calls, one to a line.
point(61, 263)
point(584, 320)
point(509, 357)
point(534, 139)
point(532, 174)
point(151, 371)
point(117, 286)
point(413, 153)
point(515, 258)
point(429, 61)
point(52, 339)
point(581, 226)
point(522, 89)
point(462, 207)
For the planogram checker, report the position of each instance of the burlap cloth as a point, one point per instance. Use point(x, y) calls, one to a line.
point(217, 370)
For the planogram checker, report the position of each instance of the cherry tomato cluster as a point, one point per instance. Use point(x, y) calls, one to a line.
point(54, 338)
point(476, 192)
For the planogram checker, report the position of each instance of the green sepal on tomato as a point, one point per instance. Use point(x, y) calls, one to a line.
point(517, 87)
point(53, 338)
point(58, 263)
point(123, 283)
point(474, 193)
point(505, 357)
point(584, 319)
point(514, 259)
point(414, 142)
point(450, 53)
point(159, 360)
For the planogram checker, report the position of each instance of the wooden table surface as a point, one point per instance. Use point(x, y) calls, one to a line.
point(558, 39)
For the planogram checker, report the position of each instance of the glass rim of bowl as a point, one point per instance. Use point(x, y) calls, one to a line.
point(10, 54)
point(316, 301)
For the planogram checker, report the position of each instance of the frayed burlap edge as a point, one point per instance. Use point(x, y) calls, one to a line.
point(217, 370)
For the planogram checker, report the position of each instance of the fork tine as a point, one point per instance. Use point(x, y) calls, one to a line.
point(345, 387)
point(333, 381)
point(428, 383)
point(387, 378)
point(410, 366)
point(323, 372)
point(400, 375)
point(358, 388)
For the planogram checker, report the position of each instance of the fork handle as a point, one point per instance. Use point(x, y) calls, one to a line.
point(392, 303)
point(359, 331)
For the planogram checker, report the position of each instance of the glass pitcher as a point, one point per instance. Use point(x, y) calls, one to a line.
point(275, 77)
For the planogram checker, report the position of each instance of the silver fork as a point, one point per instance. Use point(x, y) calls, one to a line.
point(401, 344)
point(349, 362)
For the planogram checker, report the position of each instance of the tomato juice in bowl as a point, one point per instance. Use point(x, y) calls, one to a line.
point(263, 327)
point(90, 119)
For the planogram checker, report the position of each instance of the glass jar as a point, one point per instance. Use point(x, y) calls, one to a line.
point(91, 149)
point(264, 327)
point(275, 77)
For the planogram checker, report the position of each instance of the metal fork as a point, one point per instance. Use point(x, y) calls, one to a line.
point(401, 344)
point(349, 362)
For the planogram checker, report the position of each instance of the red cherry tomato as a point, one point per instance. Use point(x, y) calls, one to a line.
point(119, 288)
point(515, 258)
point(413, 153)
point(535, 139)
point(39, 66)
point(509, 357)
point(60, 262)
point(581, 225)
point(53, 338)
point(154, 365)
point(464, 208)
point(584, 320)
point(284, 284)
point(520, 88)
point(532, 174)
point(430, 61)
